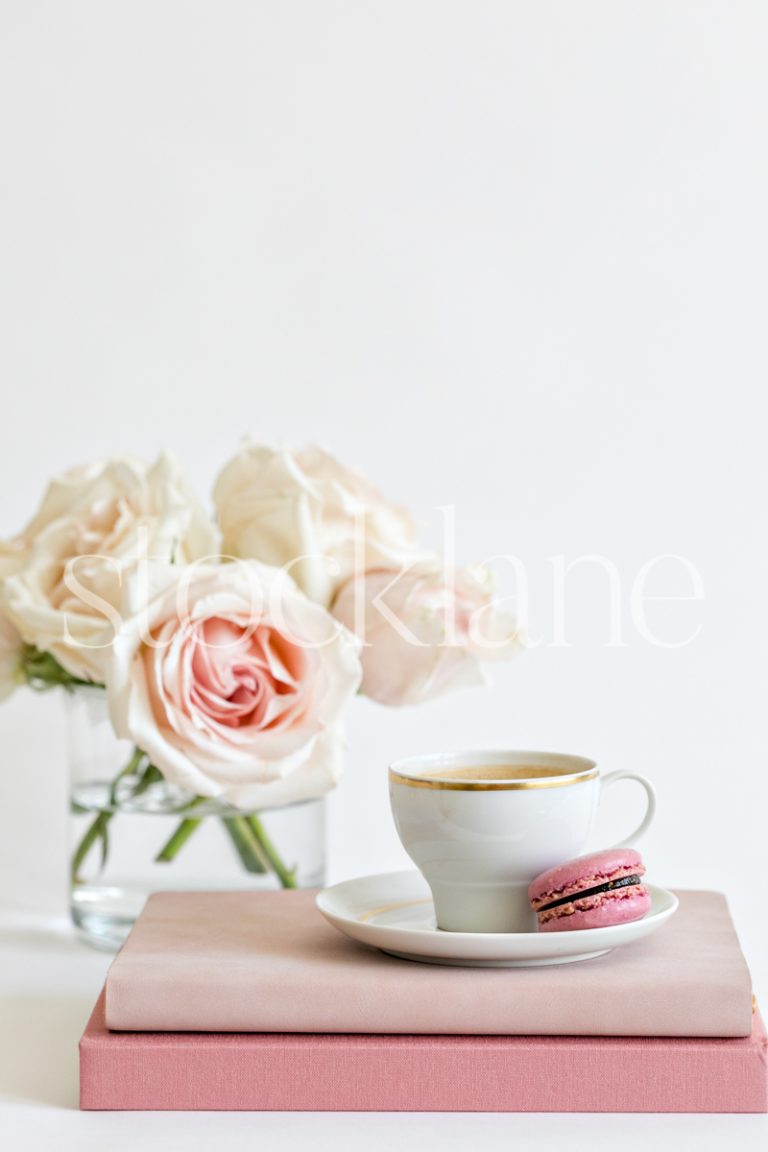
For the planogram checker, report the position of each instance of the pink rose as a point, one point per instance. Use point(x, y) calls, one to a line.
point(425, 629)
point(233, 683)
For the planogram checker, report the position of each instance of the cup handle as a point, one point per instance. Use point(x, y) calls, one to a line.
point(650, 810)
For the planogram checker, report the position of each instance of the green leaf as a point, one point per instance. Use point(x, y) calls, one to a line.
point(42, 672)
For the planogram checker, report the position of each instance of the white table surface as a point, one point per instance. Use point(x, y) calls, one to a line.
point(49, 981)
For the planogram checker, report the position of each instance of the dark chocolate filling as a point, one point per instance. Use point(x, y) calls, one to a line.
point(624, 882)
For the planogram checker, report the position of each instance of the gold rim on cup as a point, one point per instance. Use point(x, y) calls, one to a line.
point(530, 776)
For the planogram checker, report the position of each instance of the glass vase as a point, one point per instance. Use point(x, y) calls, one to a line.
point(132, 833)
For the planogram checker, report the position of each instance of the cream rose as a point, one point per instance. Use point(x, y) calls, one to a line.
point(305, 510)
point(233, 683)
point(95, 523)
point(425, 629)
point(12, 559)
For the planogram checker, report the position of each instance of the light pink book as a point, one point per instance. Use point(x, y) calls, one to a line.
point(269, 962)
point(351, 1073)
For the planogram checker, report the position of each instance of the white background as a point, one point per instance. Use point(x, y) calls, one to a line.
point(508, 257)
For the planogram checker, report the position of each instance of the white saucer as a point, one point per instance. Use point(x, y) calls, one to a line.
point(394, 912)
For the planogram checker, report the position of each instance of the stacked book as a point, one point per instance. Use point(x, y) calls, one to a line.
point(252, 1001)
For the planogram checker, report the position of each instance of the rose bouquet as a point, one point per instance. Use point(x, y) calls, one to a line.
point(227, 650)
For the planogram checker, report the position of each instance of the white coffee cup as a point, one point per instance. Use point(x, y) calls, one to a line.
point(481, 825)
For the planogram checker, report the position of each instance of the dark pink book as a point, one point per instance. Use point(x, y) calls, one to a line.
point(270, 1071)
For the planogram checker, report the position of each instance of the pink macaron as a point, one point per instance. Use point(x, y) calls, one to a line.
point(591, 892)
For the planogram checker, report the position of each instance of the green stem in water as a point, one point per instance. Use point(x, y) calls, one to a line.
point(150, 776)
point(246, 847)
point(286, 876)
point(178, 839)
point(180, 836)
point(131, 769)
point(97, 829)
point(252, 844)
